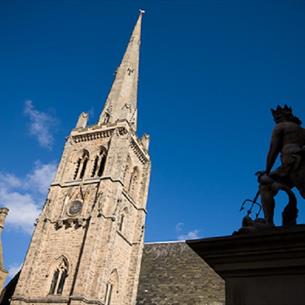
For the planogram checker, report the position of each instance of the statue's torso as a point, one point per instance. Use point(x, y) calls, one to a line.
point(292, 136)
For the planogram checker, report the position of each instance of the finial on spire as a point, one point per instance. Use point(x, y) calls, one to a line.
point(142, 12)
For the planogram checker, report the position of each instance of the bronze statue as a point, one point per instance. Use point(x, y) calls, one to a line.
point(288, 141)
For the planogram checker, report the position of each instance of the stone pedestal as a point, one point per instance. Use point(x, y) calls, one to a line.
point(265, 268)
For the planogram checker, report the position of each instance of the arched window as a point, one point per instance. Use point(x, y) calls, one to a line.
point(59, 276)
point(85, 161)
point(95, 165)
point(102, 163)
point(99, 163)
point(81, 165)
point(126, 178)
point(112, 288)
point(77, 168)
point(133, 180)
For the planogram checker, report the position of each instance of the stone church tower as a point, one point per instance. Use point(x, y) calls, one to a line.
point(88, 241)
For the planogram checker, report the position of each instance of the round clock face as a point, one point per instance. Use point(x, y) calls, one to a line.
point(75, 207)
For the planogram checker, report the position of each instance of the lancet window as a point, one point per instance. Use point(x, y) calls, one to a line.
point(111, 288)
point(59, 277)
point(81, 165)
point(123, 220)
point(133, 181)
point(126, 175)
point(99, 163)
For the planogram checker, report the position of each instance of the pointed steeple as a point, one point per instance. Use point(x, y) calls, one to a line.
point(121, 103)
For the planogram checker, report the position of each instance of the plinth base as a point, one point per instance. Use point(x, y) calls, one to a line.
point(264, 268)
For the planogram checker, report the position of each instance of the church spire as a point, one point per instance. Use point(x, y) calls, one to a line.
point(121, 103)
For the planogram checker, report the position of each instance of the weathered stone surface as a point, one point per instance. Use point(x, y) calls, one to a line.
point(88, 241)
point(90, 233)
point(172, 274)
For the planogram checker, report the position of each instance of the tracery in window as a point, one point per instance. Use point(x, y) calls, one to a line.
point(133, 181)
point(95, 165)
point(102, 164)
point(77, 168)
point(99, 163)
point(60, 274)
point(81, 165)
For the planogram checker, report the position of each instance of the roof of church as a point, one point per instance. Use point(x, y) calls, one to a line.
point(173, 274)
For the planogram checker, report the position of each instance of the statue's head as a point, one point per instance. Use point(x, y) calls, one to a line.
point(284, 114)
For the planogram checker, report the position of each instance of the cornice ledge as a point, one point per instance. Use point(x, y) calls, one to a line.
point(48, 299)
point(57, 299)
point(76, 182)
point(97, 132)
point(92, 135)
point(85, 300)
point(138, 150)
point(85, 181)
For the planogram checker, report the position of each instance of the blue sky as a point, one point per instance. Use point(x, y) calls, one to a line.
point(210, 72)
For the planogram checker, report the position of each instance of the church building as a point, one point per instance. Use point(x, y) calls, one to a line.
point(88, 241)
